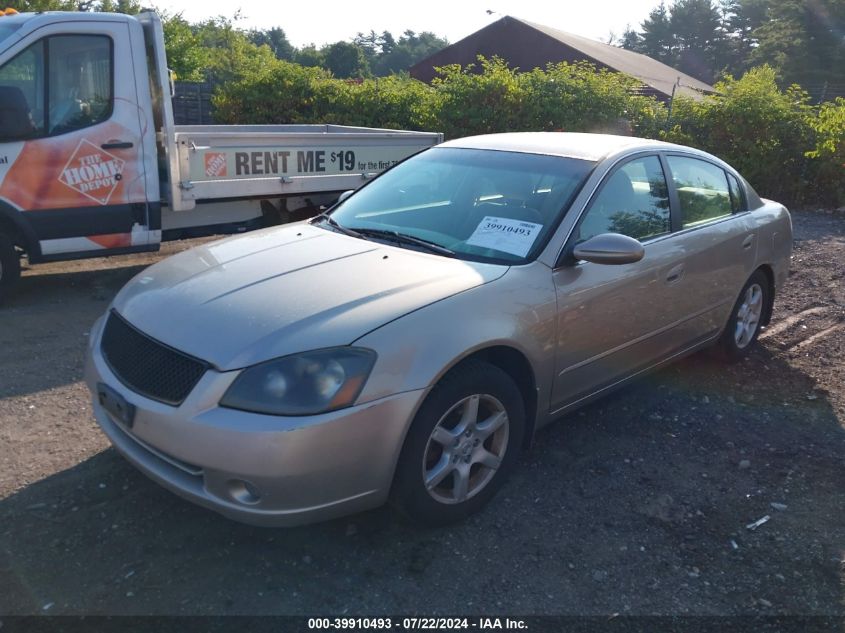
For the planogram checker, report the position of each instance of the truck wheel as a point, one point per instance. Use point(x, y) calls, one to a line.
point(10, 266)
point(462, 445)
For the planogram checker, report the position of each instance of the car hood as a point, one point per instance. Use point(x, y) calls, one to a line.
point(284, 290)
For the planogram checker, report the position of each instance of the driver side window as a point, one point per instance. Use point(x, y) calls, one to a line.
point(59, 84)
point(634, 201)
point(22, 95)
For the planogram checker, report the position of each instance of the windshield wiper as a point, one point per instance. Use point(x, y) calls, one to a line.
point(404, 238)
point(396, 236)
point(335, 225)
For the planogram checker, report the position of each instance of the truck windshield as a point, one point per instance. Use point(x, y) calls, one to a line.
point(481, 205)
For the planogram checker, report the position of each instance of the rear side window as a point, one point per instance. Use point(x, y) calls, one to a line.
point(702, 190)
point(737, 199)
point(634, 201)
point(59, 84)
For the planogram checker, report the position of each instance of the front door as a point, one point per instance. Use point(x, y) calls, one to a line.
point(616, 319)
point(71, 146)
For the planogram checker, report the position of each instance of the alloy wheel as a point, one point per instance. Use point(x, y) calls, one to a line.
point(748, 316)
point(465, 449)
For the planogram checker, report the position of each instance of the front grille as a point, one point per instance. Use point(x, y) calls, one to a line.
point(148, 367)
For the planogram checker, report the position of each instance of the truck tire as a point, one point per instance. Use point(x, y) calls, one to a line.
point(10, 266)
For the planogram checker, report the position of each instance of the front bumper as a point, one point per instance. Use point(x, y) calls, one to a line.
point(259, 469)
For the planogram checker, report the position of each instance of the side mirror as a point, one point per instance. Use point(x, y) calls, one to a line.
point(610, 248)
point(345, 195)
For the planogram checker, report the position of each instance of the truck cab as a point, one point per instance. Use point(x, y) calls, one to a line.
point(78, 170)
point(93, 164)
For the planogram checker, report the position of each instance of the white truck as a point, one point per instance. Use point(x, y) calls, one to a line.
point(92, 163)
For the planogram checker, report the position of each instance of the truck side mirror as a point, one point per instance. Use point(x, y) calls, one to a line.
point(345, 195)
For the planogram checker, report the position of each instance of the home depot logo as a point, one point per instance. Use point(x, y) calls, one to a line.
point(93, 172)
point(215, 165)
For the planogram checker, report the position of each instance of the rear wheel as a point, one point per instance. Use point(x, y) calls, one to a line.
point(10, 266)
point(461, 447)
point(746, 318)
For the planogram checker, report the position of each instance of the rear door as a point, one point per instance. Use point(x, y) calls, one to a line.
point(720, 240)
point(71, 151)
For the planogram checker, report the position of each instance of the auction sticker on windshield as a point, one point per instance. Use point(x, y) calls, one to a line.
point(506, 235)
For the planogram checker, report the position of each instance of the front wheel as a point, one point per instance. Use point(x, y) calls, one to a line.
point(10, 266)
point(746, 318)
point(462, 445)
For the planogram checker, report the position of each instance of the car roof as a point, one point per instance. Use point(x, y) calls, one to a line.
point(570, 144)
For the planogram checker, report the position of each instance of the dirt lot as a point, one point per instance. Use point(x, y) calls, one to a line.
point(637, 504)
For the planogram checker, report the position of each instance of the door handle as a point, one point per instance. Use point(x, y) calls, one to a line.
point(747, 242)
point(118, 145)
point(674, 275)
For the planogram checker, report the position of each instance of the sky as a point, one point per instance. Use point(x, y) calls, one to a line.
point(333, 20)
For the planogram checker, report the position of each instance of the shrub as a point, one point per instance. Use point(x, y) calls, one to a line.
point(789, 150)
point(768, 134)
point(276, 92)
point(827, 187)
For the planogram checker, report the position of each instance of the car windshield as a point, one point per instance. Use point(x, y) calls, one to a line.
point(481, 205)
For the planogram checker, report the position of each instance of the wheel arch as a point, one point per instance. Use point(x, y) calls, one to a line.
point(14, 224)
point(517, 366)
point(769, 272)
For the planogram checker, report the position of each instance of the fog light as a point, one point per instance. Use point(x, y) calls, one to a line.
point(244, 492)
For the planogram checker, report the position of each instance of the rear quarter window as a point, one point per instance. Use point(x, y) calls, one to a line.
point(737, 197)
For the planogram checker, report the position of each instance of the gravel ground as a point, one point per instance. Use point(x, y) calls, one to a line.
point(637, 504)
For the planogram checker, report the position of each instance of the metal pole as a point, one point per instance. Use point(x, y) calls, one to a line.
point(672, 102)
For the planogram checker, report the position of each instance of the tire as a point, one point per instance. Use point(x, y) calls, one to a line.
point(745, 322)
point(10, 266)
point(465, 462)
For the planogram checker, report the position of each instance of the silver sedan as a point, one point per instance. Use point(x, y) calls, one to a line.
point(408, 344)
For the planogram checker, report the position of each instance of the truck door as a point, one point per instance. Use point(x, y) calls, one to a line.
point(72, 140)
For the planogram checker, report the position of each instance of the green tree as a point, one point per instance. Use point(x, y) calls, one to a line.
point(309, 56)
point(228, 52)
point(183, 47)
point(370, 43)
point(131, 7)
point(658, 39)
point(411, 47)
point(697, 29)
point(631, 40)
point(740, 18)
point(803, 40)
point(387, 56)
point(48, 5)
point(345, 60)
point(276, 40)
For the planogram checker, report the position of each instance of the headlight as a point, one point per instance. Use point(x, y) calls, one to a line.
point(302, 384)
